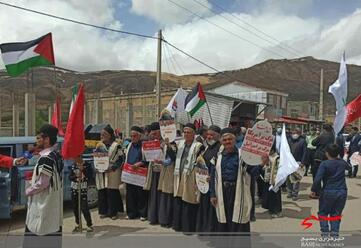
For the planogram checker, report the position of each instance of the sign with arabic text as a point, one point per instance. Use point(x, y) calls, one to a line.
point(257, 143)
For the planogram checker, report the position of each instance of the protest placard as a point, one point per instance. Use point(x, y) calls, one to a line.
point(101, 161)
point(152, 150)
point(168, 128)
point(132, 176)
point(202, 180)
point(257, 143)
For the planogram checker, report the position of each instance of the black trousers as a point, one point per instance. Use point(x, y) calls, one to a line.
point(271, 200)
point(260, 186)
point(177, 214)
point(136, 201)
point(253, 194)
point(189, 217)
point(154, 200)
point(166, 209)
point(314, 168)
point(52, 240)
point(109, 202)
point(84, 207)
point(229, 196)
point(206, 216)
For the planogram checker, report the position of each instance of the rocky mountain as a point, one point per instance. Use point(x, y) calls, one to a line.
point(298, 77)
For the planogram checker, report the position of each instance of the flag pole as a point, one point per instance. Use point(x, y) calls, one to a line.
point(55, 83)
point(209, 111)
point(79, 205)
point(189, 118)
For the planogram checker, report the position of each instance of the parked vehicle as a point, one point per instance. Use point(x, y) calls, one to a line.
point(13, 181)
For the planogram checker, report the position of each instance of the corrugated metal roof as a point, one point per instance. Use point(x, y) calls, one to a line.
point(215, 85)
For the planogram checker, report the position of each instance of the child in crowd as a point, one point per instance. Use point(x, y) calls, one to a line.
point(80, 173)
point(333, 193)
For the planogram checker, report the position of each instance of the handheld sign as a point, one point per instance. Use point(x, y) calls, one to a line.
point(201, 180)
point(134, 176)
point(101, 161)
point(168, 128)
point(355, 159)
point(257, 143)
point(152, 150)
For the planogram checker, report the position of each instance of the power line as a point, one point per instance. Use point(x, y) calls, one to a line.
point(78, 22)
point(248, 30)
point(173, 58)
point(142, 35)
point(192, 57)
point(165, 58)
point(201, 62)
point(255, 28)
point(226, 30)
point(190, 11)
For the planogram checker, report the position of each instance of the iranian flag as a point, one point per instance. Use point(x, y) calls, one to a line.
point(74, 140)
point(195, 100)
point(56, 118)
point(20, 56)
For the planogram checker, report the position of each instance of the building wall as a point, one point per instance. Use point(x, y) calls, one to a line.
point(304, 109)
point(277, 100)
point(126, 110)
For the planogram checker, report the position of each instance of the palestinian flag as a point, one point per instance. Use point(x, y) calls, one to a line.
point(195, 100)
point(20, 56)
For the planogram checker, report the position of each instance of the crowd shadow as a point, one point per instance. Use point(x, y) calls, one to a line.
point(295, 214)
point(109, 231)
point(305, 186)
point(263, 216)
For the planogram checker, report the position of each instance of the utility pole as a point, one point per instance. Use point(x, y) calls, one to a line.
point(321, 97)
point(159, 69)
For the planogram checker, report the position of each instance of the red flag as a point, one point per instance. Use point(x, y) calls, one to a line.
point(6, 162)
point(56, 118)
point(74, 140)
point(353, 110)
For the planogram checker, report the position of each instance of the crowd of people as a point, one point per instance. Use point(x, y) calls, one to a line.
point(170, 196)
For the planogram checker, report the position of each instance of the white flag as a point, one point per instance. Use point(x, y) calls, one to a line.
point(176, 104)
point(339, 91)
point(287, 165)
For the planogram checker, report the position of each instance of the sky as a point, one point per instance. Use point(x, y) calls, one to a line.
point(225, 34)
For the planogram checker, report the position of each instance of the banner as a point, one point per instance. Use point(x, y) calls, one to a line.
point(257, 143)
point(152, 150)
point(134, 176)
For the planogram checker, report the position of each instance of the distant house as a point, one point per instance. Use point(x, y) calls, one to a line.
point(276, 100)
point(303, 109)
